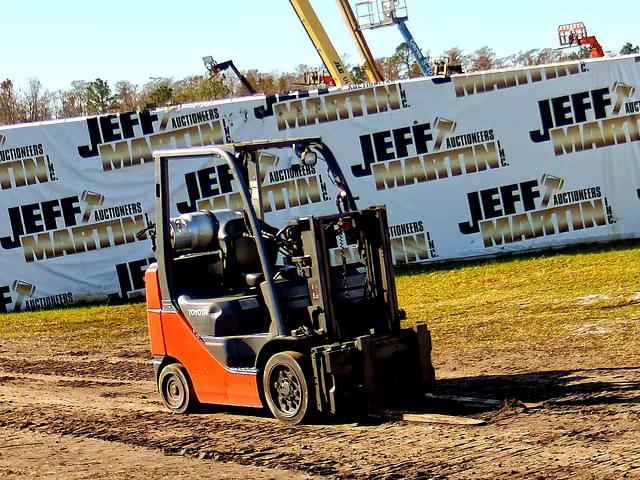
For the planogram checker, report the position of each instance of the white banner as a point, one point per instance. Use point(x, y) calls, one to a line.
point(468, 166)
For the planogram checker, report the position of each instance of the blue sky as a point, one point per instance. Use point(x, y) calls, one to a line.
point(65, 40)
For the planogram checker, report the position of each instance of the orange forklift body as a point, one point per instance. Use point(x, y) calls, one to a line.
point(172, 336)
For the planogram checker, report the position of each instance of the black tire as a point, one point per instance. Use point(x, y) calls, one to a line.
point(286, 387)
point(175, 389)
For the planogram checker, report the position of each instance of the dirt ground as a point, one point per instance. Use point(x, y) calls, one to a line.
point(96, 414)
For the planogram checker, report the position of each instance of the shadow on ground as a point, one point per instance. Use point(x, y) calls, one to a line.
point(583, 387)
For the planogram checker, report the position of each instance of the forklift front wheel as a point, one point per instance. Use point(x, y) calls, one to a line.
point(286, 387)
point(175, 389)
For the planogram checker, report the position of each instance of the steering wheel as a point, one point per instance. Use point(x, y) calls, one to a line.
point(288, 239)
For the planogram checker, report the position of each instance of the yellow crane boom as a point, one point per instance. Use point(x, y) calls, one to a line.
point(370, 66)
point(321, 42)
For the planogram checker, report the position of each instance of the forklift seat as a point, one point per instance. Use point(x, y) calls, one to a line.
point(242, 262)
point(242, 267)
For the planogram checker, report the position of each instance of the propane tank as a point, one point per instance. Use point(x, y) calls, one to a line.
point(193, 232)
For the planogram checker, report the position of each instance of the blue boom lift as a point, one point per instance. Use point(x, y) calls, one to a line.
point(381, 13)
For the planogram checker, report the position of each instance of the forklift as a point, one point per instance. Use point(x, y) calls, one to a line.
point(302, 320)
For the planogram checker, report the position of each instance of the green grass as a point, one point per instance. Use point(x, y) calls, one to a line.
point(90, 326)
point(588, 297)
point(584, 297)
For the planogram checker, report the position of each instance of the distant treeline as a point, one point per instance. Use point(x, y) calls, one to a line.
point(34, 102)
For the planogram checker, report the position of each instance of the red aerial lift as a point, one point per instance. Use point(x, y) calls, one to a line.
point(319, 78)
point(294, 319)
point(575, 35)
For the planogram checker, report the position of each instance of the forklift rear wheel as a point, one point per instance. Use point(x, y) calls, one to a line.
point(175, 389)
point(286, 388)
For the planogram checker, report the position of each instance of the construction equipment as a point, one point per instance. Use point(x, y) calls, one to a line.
point(370, 67)
point(446, 67)
point(575, 34)
point(313, 329)
point(332, 61)
point(214, 68)
point(381, 13)
point(319, 78)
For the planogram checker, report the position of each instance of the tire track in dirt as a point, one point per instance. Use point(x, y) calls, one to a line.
point(586, 427)
point(111, 369)
point(25, 454)
point(171, 434)
point(378, 451)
